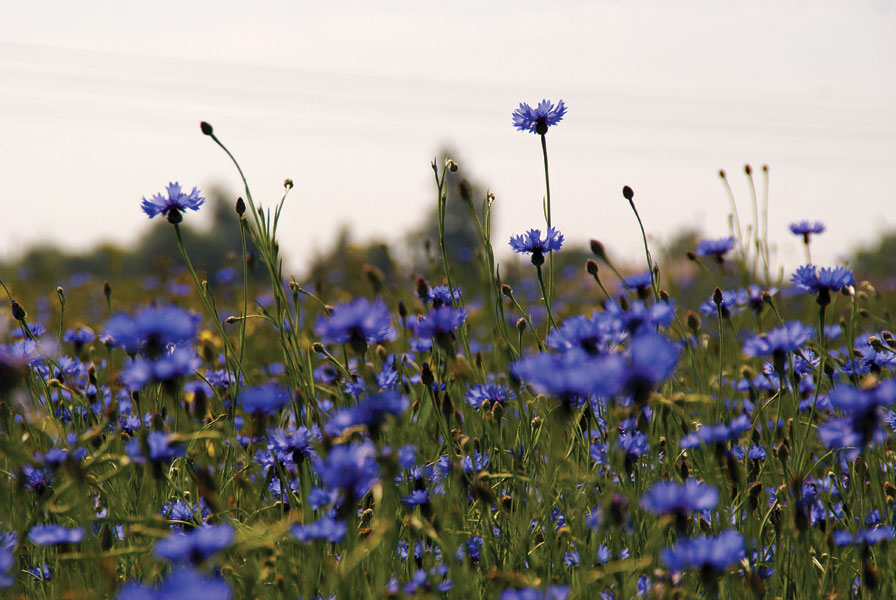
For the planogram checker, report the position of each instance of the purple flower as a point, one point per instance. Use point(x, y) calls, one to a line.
point(825, 281)
point(779, 341)
point(195, 545)
point(51, 535)
point(357, 323)
point(488, 394)
point(439, 322)
point(538, 119)
point(864, 536)
point(637, 281)
point(351, 468)
point(328, 530)
point(172, 206)
point(716, 247)
point(668, 497)
point(532, 243)
point(806, 228)
point(714, 554)
point(183, 584)
point(266, 399)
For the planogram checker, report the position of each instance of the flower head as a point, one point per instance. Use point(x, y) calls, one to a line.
point(50, 535)
point(175, 204)
point(712, 554)
point(195, 545)
point(830, 279)
point(357, 323)
point(717, 248)
point(805, 228)
point(485, 395)
point(666, 497)
point(538, 119)
point(531, 243)
point(267, 399)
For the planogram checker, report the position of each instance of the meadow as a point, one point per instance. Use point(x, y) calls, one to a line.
point(525, 430)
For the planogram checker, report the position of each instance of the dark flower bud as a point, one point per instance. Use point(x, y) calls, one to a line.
point(318, 347)
point(287, 183)
point(521, 324)
point(107, 290)
point(591, 267)
point(722, 173)
point(507, 290)
point(422, 288)
point(693, 321)
point(206, 128)
point(375, 277)
point(748, 169)
point(426, 375)
point(452, 166)
point(717, 297)
point(782, 451)
point(628, 193)
point(18, 313)
point(598, 249)
point(402, 310)
point(240, 207)
point(231, 319)
point(664, 296)
point(465, 190)
point(691, 255)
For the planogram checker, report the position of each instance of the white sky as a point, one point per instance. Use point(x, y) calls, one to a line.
point(100, 104)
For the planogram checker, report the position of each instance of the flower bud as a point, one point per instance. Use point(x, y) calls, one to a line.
point(240, 207)
point(591, 267)
point(628, 193)
point(206, 128)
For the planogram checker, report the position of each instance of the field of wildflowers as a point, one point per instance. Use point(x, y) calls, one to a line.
point(546, 439)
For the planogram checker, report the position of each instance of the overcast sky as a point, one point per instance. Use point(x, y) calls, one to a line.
point(100, 104)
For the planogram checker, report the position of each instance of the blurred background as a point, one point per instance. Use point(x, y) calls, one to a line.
point(100, 104)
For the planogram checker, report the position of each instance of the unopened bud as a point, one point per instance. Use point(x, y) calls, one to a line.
point(598, 249)
point(18, 313)
point(240, 207)
point(507, 290)
point(206, 128)
point(107, 290)
point(717, 297)
point(628, 193)
point(318, 347)
point(748, 169)
point(693, 320)
point(521, 324)
point(591, 267)
point(287, 183)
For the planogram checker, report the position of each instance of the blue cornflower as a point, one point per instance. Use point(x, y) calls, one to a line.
point(292, 446)
point(779, 342)
point(824, 282)
point(195, 545)
point(417, 498)
point(806, 228)
point(485, 395)
point(442, 294)
point(592, 334)
point(357, 323)
point(553, 592)
point(571, 376)
point(264, 400)
point(372, 411)
point(712, 554)
point(637, 281)
point(79, 337)
point(864, 536)
point(716, 247)
point(327, 529)
point(350, 468)
point(172, 206)
point(51, 535)
point(538, 119)
point(183, 584)
point(652, 358)
point(440, 322)
point(158, 449)
point(152, 329)
point(531, 243)
point(668, 497)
